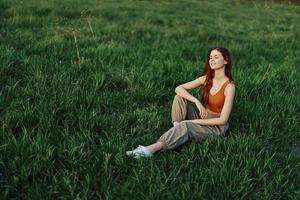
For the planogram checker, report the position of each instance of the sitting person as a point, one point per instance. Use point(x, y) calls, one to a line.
point(212, 113)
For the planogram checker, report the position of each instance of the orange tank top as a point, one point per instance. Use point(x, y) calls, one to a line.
point(216, 102)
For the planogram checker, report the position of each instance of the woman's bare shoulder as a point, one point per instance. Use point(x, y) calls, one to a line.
point(194, 84)
point(202, 79)
point(230, 88)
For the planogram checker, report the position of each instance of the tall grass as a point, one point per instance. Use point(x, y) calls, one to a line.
point(83, 81)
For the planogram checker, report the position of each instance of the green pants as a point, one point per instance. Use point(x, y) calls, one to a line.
point(183, 109)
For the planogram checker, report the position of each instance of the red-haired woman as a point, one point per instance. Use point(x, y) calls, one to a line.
point(212, 113)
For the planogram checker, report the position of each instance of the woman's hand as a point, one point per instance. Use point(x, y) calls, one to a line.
point(202, 111)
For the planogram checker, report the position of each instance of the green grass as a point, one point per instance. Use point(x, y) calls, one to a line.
point(81, 82)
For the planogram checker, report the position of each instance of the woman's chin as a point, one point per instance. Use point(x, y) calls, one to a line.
point(216, 67)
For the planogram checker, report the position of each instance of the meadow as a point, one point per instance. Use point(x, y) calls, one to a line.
point(82, 82)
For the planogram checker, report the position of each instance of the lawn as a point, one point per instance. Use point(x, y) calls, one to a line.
point(82, 82)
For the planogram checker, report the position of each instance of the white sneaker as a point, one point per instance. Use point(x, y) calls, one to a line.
point(140, 151)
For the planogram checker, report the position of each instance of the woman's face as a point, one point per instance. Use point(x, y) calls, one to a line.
point(216, 60)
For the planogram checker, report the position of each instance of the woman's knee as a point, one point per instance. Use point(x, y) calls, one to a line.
point(178, 98)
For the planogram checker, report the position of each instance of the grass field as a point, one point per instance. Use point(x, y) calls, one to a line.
point(82, 82)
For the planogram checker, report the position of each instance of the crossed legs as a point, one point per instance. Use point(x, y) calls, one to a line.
point(182, 109)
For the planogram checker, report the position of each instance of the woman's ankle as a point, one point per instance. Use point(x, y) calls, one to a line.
point(155, 147)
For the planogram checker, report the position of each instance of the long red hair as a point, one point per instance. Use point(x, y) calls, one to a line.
point(204, 90)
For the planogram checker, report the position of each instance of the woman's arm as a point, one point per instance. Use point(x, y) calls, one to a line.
point(226, 110)
point(181, 90)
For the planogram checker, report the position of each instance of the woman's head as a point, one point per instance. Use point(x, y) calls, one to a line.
point(217, 58)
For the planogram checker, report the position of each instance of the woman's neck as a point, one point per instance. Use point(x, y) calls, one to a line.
point(220, 74)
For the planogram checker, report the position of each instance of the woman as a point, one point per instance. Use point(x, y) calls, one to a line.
point(213, 112)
